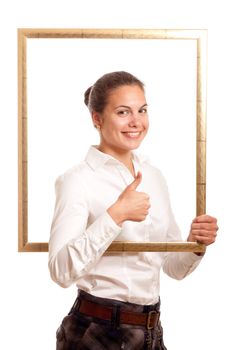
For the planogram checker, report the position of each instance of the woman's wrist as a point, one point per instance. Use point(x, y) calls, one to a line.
point(116, 214)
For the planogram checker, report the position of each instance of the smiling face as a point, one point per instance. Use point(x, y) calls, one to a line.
point(124, 122)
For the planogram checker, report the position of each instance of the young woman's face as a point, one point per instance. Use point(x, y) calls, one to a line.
point(124, 121)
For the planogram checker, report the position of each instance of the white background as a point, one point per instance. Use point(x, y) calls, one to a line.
point(196, 312)
point(60, 129)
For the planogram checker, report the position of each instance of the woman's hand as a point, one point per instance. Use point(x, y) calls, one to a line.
point(203, 230)
point(131, 205)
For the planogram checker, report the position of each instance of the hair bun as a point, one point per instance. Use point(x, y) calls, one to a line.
point(87, 95)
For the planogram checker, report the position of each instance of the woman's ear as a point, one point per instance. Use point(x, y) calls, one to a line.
point(97, 120)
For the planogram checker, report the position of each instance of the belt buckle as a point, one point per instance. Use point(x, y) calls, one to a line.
point(153, 312)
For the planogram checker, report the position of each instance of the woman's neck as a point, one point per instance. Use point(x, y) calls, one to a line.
point(124, 157)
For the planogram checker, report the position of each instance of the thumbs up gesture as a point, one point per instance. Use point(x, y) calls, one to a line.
point(131, 204)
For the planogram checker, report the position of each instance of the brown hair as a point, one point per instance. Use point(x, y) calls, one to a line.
point(96, 96)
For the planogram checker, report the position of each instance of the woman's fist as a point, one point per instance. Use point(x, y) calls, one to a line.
point(131, 204)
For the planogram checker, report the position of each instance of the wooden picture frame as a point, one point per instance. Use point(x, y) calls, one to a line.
point(198, 36)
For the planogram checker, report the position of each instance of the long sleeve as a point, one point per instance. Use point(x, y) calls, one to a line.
point(178, 264)
point(75, 245)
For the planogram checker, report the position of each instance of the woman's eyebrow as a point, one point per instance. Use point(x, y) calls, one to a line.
point(145, 105)
point(124, 106)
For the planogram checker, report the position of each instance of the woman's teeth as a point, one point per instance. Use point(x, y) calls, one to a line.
point(132, 134)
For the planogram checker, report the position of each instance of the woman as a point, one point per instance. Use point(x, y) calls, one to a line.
point(115, 194)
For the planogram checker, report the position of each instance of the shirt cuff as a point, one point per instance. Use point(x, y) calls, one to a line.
point(103, 231)
point(191, 258)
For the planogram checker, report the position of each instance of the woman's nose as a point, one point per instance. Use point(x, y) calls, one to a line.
point(134, 119)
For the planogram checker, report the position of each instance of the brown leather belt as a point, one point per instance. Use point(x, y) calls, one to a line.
point(149, 319)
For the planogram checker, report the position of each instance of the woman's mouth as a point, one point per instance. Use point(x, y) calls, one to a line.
point(132, 134)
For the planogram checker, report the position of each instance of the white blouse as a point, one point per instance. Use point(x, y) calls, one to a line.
point(82, 230)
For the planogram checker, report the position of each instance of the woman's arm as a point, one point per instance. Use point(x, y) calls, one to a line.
point(75, 246)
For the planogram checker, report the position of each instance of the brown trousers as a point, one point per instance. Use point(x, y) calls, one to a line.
point(80, 332)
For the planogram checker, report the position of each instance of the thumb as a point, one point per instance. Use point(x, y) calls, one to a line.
point(133, 186)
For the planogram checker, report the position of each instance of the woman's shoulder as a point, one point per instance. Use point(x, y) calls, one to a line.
point(151, 171)
point(155, 172)
point(145, 163)
point(72, 177)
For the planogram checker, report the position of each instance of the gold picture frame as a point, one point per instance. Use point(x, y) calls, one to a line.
point(200, 38)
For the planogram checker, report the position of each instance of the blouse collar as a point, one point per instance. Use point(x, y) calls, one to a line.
point(96, 158)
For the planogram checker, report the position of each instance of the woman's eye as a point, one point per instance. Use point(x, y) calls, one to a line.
point(143, 110)
point(123, 113)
